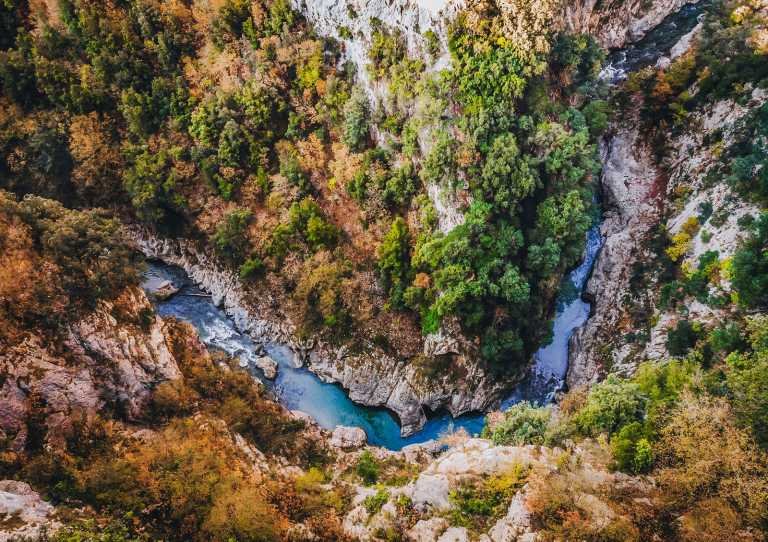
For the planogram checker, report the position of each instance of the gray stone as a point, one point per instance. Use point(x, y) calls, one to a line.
point(25, 514)
point(455, 534)
point(431, 490)
point(427, 530)
point(267, 365)
point(348, 438)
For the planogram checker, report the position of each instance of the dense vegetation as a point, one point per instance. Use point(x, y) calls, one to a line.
point(189, 471)
point(699, 431)
point(235, 124)
point(56, 264)
point(694, 421)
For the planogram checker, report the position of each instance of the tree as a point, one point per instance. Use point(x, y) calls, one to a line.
point(610, 405)
point(231, 236)
point(152, 182)
point(356, 115)
point(507, 177)
point(750, 267)
point(394, 262)
point(682, 338)
point(522, 424)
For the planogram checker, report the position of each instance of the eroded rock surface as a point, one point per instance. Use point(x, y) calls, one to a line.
point(24, 515)
point(112, 357)
point(371, 377)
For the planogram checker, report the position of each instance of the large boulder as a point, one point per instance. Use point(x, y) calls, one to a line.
point(348, 438)
point(267, 365)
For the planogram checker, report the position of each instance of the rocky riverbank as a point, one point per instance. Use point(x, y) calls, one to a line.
point(80, 384)
point(372, 377)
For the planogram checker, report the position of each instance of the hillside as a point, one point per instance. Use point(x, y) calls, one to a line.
point(397, 195)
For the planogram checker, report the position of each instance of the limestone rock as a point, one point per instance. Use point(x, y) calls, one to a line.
point(455, 534)
point(431, 490)
point(427, 530)
point(348, 438)
point(617, 24)
point(515, 524)
point(267, 365)
point(632, 207)
point(165, 290)
point(23, 513)
point(109, 360)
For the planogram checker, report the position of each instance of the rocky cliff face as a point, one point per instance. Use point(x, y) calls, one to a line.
point(632, 187)
point(618, 22)
point(371, 377)
point(637, 195)
point(112, 358)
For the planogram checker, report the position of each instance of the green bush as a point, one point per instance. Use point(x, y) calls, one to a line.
point(153, 186)
point(231, 238)
point(631, 449)
point(356, 120)
point(394, 262)
point(750, 267)
point(522, 424)
point(747, 381)
point(368, 468)
point(251, 268)
point(682, 338)
point(373, 503)
point(610, 405)
point(478, 504)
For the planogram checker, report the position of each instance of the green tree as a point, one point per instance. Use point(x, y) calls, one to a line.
point(394, 262)
point(507, 176)
point(750, 267)
point(522, 424)
point(356, 115)
point(152, 184)
point(231, 236)
point(611, 404)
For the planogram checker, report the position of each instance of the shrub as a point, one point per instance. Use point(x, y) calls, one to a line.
point(367, 468)
point(522, 424)
point(682, 338)
point(749, 268)
point(386, 50)
point(631, 449)
point(478, 504)
point(681, 241)
point(394, 262)
point(610, 405)
point(251, 268)
point(373, 503)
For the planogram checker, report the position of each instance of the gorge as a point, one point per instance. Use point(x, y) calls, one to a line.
point(383, 270)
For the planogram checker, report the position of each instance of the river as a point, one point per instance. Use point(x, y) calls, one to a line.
point(299, 389)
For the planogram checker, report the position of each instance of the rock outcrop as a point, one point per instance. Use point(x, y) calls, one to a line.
point(113, 357)
point(635, 190)
point(632, 187)
point(348, 438)
point(267, 365)
point(475, 460)
point(24, 515)
point(617, 23)
point(371, 377)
